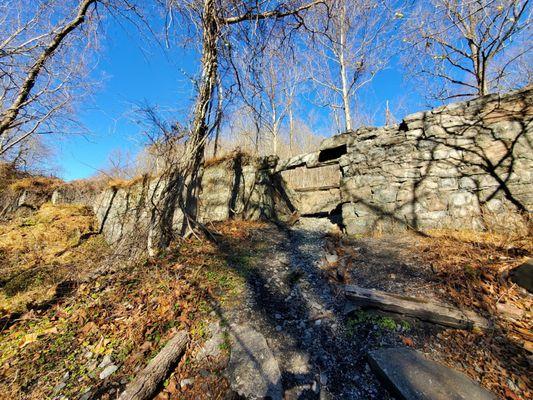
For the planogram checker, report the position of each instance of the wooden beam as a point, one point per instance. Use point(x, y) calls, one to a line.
point(425, 310)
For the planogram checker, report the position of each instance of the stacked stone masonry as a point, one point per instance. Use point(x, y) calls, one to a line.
point(451, 167)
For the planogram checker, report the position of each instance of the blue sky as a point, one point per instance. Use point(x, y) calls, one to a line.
point(131, 73)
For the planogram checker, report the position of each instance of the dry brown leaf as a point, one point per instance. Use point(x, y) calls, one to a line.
point(407, 341)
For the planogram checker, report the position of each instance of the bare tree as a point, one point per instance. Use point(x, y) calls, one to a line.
point(41, 67)
point(270, 87)
point(348, 54)
point(213, 21)
point(470, 48)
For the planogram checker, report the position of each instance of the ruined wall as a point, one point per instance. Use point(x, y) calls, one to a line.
point(239, 187)
point(448, 167)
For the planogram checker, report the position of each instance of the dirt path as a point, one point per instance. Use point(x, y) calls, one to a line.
point(291, 303)
point(292, 298)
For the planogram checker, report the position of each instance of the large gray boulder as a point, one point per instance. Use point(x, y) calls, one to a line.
point(411, 376)
point(253, 372)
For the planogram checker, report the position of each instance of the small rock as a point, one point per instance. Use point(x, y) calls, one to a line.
point(86, 395)
point(512, 385)
point(92, 366)
point(314, 387)
point(277, 316)
point(323, 379)
point(279, 328)
point(212, 346)
point(510, 311)
point(109, 370)
point(186, 382)
point(105, 361)
point(332, 258)
point(318, 322)
point(59, 386)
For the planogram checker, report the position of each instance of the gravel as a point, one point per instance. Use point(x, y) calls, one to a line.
point(317, 357)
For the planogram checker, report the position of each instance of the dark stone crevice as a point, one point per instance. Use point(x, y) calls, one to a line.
point(332, 153)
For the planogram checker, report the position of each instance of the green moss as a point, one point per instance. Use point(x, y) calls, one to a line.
point(361, 317)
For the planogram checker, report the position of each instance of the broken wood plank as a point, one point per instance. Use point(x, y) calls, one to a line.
point(423, 309)
point(148, 380)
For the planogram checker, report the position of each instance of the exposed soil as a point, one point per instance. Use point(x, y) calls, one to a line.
point(293, 298)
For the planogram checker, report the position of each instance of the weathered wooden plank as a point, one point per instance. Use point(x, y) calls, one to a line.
point(148, 380)
point(423, 309)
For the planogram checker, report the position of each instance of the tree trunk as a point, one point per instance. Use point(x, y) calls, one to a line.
point(10, 115)
point(291, 130)
point(148, 380)
point(197, 141)
point(344, 78)
point(218, 119)
point(182, 187)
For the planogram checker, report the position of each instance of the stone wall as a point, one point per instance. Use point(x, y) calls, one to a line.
point(239, 187)
point(448, 167)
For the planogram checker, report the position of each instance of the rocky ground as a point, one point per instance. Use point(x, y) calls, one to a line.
point(291, 301)
point(293, 320)
point(292, 304)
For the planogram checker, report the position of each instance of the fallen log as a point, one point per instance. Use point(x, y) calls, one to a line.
point(148, 380)
point(422, 309)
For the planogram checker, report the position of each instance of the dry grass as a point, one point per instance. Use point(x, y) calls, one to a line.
point(129, 314)
point(9, 174)
point(87, 185)
point(29, 247)
point(245, 157)
point(39, 184)
point(118, 183)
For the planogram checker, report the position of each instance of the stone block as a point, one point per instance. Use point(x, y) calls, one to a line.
point(411, 376)
point(316, 202)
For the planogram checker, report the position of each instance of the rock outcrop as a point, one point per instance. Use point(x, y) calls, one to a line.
point(237, 187)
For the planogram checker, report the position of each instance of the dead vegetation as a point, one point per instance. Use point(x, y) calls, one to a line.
point(128, 311)
point(244, 156)
point(41, 251)
point(39, 184)
point(472, 269)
